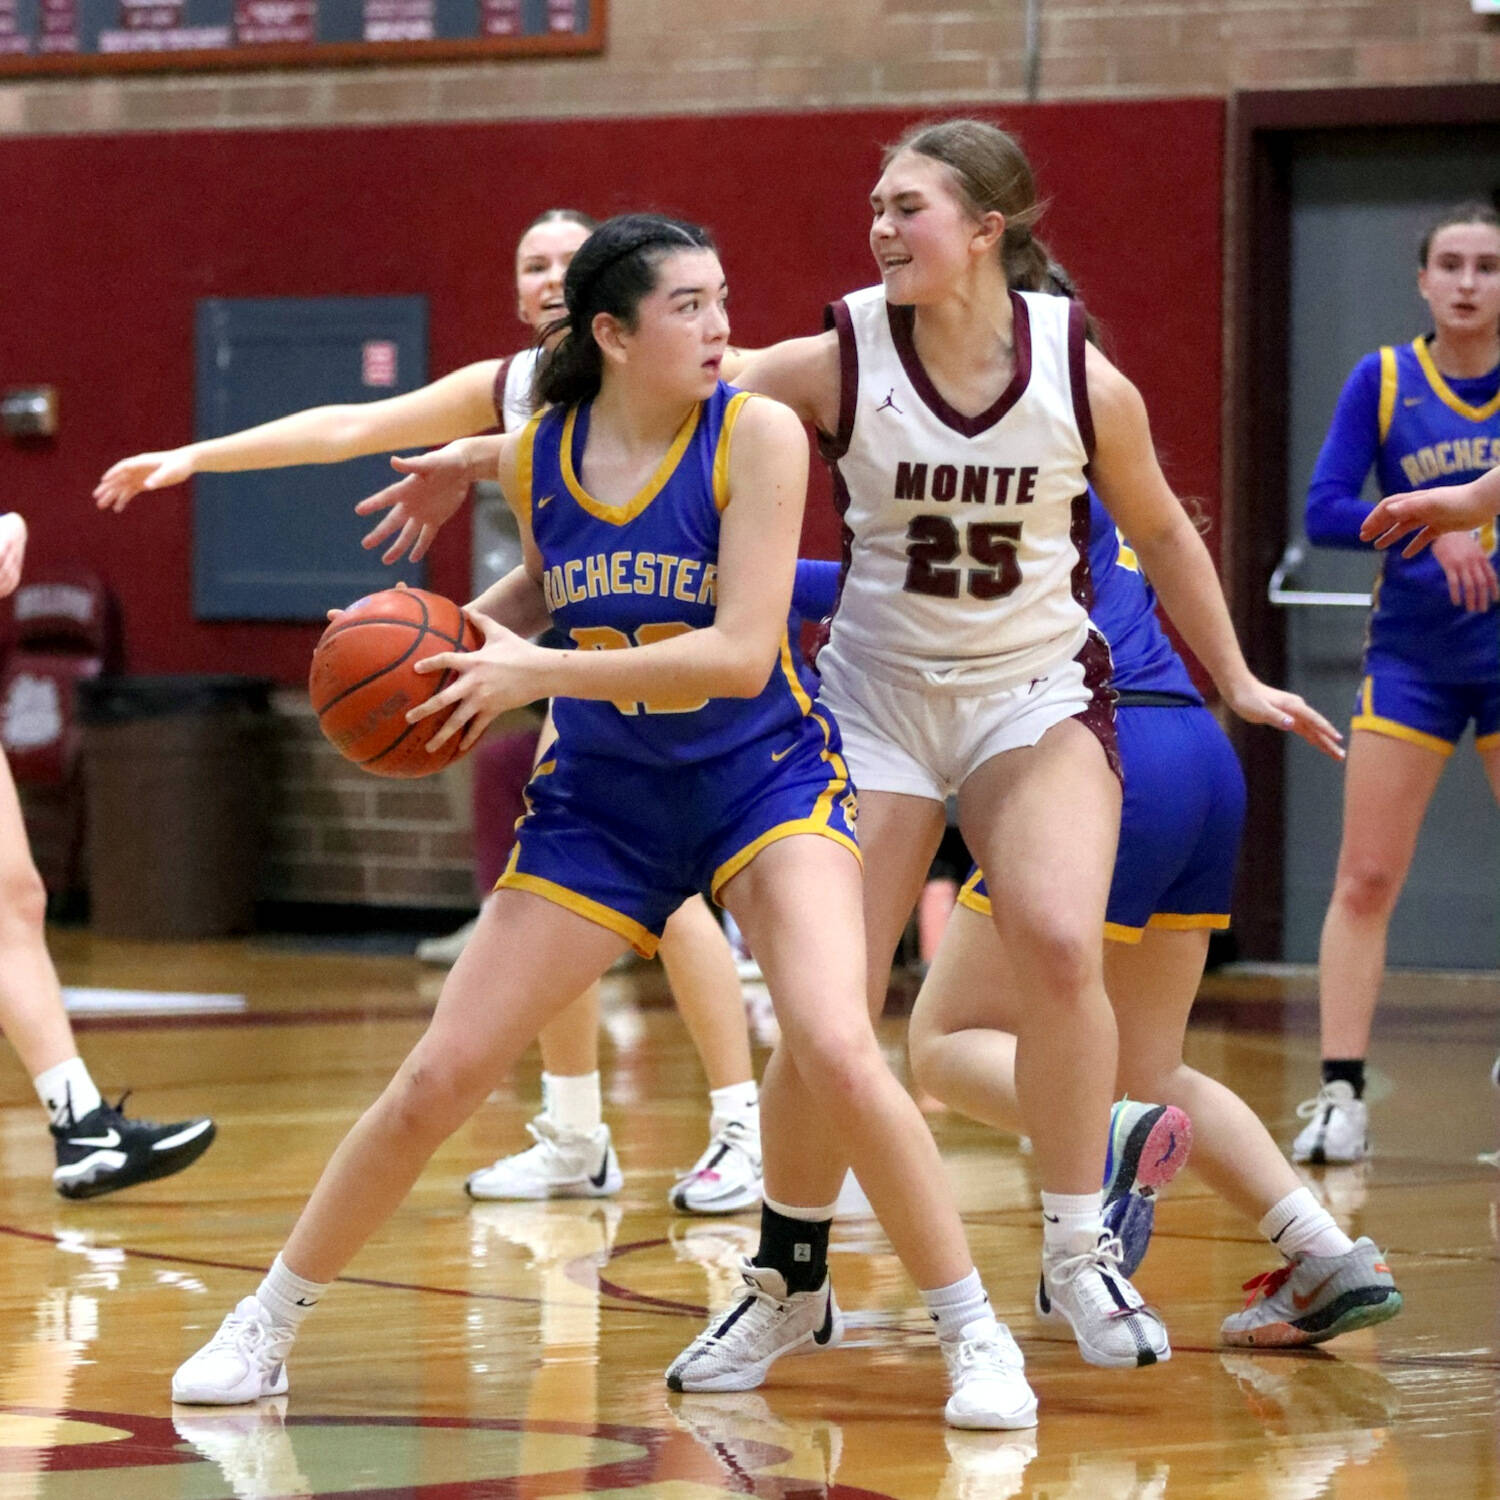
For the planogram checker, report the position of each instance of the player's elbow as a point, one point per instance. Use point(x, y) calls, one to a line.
point(348, 430)
point(1319, 527)
point(747, 669)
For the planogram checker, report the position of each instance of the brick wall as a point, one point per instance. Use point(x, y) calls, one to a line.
point(664, 57)
point(338, 834)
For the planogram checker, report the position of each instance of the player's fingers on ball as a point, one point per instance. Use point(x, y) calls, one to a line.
point(440, 661)
point(455, 721)
point(475, 732)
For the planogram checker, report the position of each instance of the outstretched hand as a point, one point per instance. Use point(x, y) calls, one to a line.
point(1257, 703)
point(123, 481)
point(1428, 513)
point(500, 675)
point(417, 506)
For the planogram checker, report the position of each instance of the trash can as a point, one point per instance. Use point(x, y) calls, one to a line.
point(174, 773)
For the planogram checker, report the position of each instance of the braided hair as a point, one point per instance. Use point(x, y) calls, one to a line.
point(614, 269)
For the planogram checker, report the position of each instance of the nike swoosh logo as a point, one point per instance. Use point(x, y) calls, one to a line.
point(302, 1303)
point(782, 754)
point(1302, 1303)
point(107, 1141)
point(545, 500)
point(1411, 401)
point(826, 1331)
point(1051, 1218)
point(1275, 1238)
point(603, 1174)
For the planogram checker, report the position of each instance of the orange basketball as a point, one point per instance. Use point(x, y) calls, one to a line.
point(362, 680)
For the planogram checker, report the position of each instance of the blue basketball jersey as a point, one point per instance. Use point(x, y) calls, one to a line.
point(643, 571)
point(1124, 610)
point(1420, 430)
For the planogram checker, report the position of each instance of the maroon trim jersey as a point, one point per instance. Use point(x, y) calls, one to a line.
point(965, 537)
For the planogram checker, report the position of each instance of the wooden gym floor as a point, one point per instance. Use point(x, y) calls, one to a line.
point(516, 1350)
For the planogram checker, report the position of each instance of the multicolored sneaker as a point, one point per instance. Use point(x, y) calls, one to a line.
point(562, 1164)
point(726, 1178)
point(739, 1346)
point(1338, 1128)
point(1148, 1147)
point(104, 1151)
point(1313, 1298)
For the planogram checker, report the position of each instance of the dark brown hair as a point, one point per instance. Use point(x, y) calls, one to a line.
point(614, 269)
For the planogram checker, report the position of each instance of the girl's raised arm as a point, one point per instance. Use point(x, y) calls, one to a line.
point(453, 407)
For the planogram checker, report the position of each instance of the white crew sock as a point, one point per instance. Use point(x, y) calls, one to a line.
point(1071, 1221)
point(1299, 1224)
point(288, 1297)
point(67, 1092)
point(573, 1101)
point(736, 1101)
point(955, 1306)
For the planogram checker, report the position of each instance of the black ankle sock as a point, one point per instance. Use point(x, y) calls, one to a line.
point(798, 1248)
point(1350, 1070)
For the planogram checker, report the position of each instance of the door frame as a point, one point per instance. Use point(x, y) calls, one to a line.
point(1263, 131)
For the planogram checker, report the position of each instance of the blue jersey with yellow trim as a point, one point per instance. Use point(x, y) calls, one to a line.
point(1124, 610)
point(644, 571)
point(1418, 429)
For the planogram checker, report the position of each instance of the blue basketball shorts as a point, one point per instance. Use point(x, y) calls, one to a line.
point(1180, 825)
point(625, 845)
point(1396, 700)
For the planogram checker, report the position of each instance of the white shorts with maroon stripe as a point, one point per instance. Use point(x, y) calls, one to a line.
point(925, 744)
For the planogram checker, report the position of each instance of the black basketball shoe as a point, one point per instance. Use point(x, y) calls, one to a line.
point(104, 1151)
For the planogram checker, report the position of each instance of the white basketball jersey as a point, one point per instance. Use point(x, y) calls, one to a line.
point(513, 389)
point(966, 538)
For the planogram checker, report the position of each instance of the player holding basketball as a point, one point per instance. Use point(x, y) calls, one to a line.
point(1427, 413)
point(1174, 873)
point(573, 1154)
point(659, 511)
point(98, 1149)
point(961, 415)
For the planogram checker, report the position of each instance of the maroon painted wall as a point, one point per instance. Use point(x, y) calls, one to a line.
point(108, 242)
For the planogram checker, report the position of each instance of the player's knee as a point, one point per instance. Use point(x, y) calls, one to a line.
point(1367, 890)
point(841, 1064)
point(1065, 956)
point(923, 1052)
point(431, 1098)
point(23, 899)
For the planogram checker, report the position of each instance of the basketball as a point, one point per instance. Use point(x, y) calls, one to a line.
point(363, 679)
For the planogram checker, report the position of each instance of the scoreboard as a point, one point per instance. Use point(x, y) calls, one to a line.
point(94, 36)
